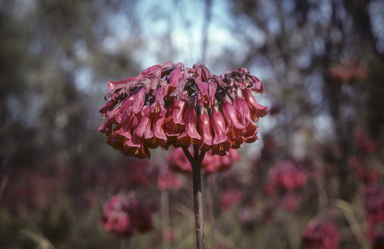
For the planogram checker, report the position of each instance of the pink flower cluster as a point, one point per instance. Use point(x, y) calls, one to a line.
point(230, 198)
point(168, 104)
point(123, 214)
point(374, 204)
point(287, 176)
point(323, 235)
point(291, 201)
point(368, 176)
point(177, 161)
point(365, 143)
point(247, 218)
point(168, 180)
point(36, 189)
point(349, 69)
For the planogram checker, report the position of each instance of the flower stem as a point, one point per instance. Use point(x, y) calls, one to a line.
point(197, 193)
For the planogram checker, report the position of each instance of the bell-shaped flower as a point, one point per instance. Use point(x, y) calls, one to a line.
point(175, 124)
point(221, 143)
point(158, 106)
point(205, 128)
point(190, 135)
point(234, 128)
point(256, 109)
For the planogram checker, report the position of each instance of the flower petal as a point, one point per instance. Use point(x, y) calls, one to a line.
point(175, 124)
point(256, 109)
point(221, 143)
point(204, 124)
point(231, 120)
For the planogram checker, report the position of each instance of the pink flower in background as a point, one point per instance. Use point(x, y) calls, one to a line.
point(291, 201)
point(287, 176)
point(323, 235)
point(247, 218)
point(349, 69)
point(143, 218)
point(365, 143)
point(131, 174)
point(168, 234)
point(219, 163)
point(374, 204)
point(167, 180)
point(168, 104)
point(31, 189)
point(178, 161)
point(368, 176)
point(230, 198)
point(123, 214)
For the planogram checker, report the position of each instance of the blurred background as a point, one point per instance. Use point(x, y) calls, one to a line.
point(322, 65)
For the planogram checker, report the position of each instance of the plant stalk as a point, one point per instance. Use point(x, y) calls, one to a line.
point(197, 193)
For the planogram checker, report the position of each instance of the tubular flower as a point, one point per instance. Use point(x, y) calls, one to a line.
point(168, 104)
point(178, 161)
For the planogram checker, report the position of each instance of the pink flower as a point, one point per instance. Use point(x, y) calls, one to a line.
point(374, 204)
point(321, 235)
point(349, 69)
point(168, 104)
point(168, 180)
point(247, 218)
point(230, 198)
point(287, 176)
point(365, 143)
point(211, 163)
point(123, 214)
point(167, 235)
point(368, 176)
point(291, 201)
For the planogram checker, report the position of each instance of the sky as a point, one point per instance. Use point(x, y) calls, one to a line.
point(186, 21)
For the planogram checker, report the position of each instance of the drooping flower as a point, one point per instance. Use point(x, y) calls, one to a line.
point(321, 235)
point(177, 161)
point(168, 104)
point(123, 214)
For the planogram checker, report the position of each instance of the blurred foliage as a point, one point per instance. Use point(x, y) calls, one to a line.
point(55, 170)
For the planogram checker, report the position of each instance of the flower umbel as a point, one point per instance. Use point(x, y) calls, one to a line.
point(168, 104)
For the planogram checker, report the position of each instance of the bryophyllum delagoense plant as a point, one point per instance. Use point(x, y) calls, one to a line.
point(169, 104)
